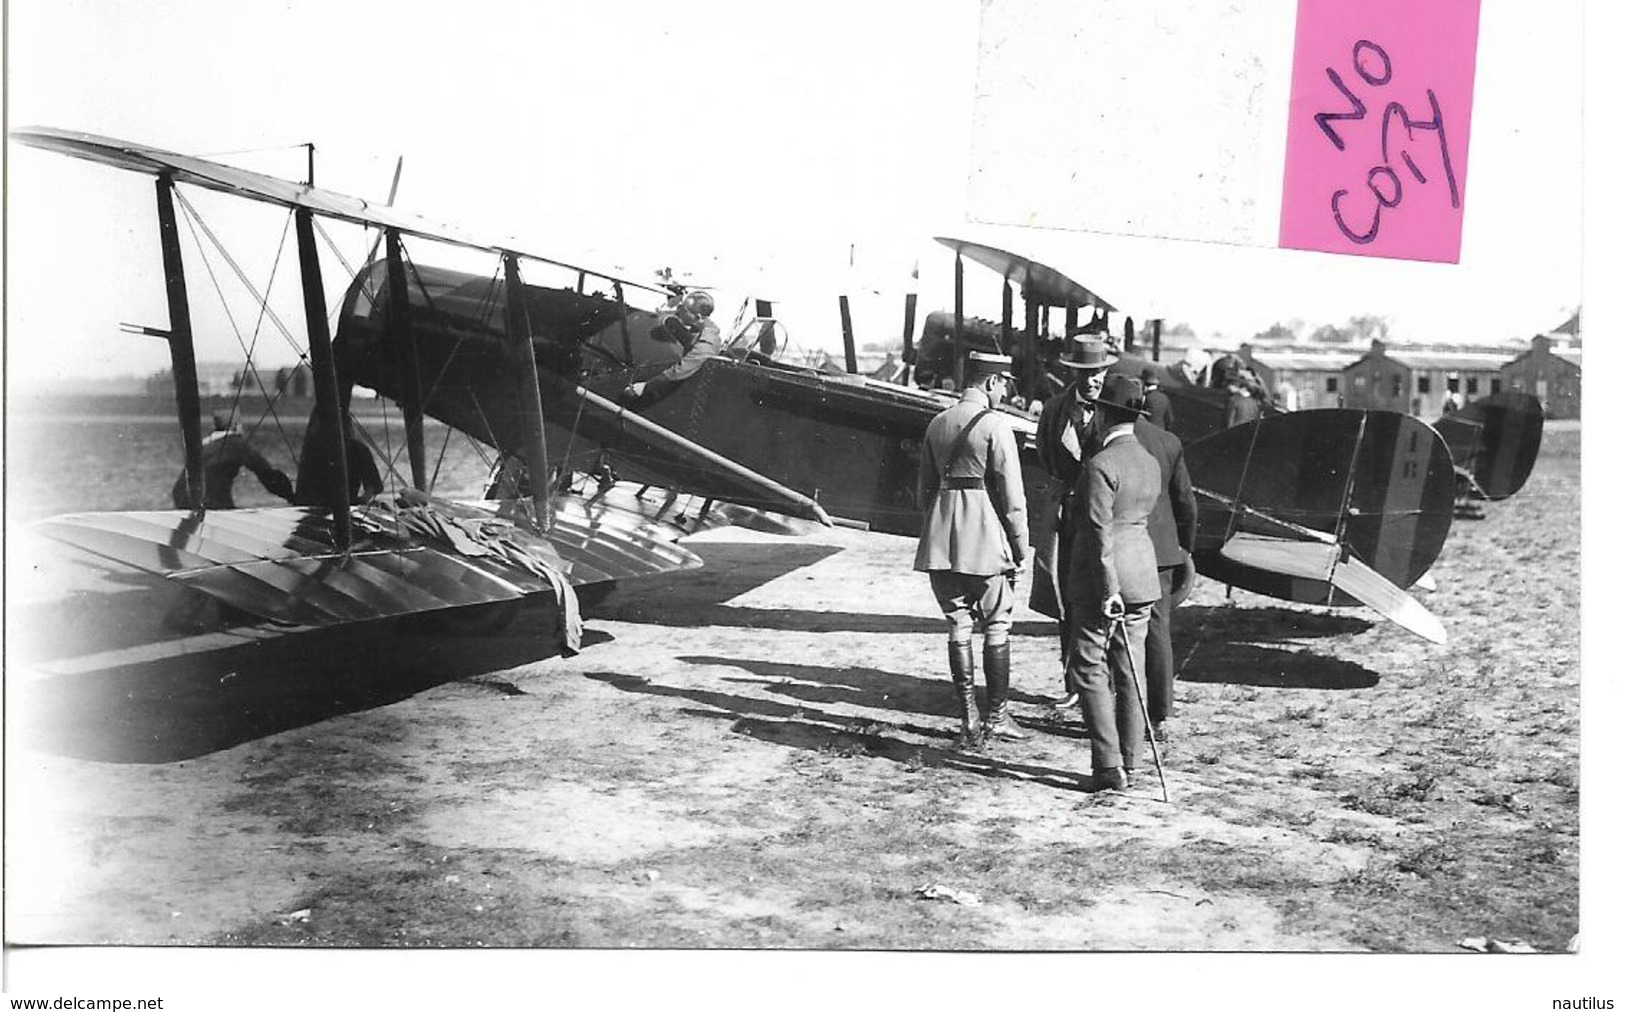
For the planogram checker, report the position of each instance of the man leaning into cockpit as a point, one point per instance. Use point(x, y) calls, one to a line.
point(690, 325)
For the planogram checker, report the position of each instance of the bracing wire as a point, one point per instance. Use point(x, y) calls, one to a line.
point(193, 223)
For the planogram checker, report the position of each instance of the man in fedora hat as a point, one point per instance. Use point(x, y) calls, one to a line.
point(1113, 583)
point(973, 541)
point(1064, 438)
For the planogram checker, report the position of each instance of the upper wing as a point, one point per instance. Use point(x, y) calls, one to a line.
point(1037, 282)
point(144, 158)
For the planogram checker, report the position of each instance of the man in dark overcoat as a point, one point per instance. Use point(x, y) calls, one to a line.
point(1172, 526)
point(1064, 442)
point(1159, 410)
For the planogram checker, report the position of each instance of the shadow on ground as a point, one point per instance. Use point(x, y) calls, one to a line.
point(181, 707)
point(699, 598)
point(1228, 645)
point(799, 726)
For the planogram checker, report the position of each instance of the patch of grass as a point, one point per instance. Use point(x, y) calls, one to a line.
point(1344, 833)
point(1428, 858)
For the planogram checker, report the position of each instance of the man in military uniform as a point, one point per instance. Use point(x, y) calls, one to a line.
point(1113, 584)
point(973, 541)
point(1064, 438)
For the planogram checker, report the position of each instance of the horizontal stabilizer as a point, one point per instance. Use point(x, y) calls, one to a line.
point(1308, 560)
point(1323, 563)
point(1360, 581)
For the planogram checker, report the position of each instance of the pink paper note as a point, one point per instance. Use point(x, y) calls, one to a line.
point(1376, 150)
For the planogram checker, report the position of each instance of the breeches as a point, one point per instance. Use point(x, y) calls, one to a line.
point(1110, 679)
point(967, 601)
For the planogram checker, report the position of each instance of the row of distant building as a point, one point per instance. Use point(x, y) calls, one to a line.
point(1408, 378)
point(1419, 378)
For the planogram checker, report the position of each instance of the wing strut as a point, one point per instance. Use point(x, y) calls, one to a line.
point(182, 356)
point(325, 375)
point(530, 393)
point(406, 345)
point(959, 321)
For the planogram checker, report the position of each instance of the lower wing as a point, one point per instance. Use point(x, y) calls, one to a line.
point(280, 564)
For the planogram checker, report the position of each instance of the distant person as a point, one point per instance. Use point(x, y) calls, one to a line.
point(1223, 371)
point(1064, 436)
point(973, 540)
point(226, 451)
point(1451, 403)
point(1240, 407)
point(1159, 410)
point(1114, 585)
point(316, 476)
point(691, 327)
point(1286, 395)
point(1194, 367)
point(889, 371)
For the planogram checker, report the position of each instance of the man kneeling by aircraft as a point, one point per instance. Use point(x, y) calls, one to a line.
point(973, 541)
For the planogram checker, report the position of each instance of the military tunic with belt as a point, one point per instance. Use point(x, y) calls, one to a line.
point(976, 514)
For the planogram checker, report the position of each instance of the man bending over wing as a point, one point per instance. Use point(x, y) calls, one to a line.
point(227, 451)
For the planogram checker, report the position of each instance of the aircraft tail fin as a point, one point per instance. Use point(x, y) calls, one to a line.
point(1494, 441)
point(1377, 483)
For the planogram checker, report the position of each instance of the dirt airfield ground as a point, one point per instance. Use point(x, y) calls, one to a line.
point(759, 755)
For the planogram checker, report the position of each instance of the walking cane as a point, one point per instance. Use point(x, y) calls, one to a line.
point(1145, 712)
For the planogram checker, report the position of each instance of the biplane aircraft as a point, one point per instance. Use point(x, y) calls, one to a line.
point(336, 561)
point(1325, 507)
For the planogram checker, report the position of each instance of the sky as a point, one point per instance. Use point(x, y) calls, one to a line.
point(796, 153)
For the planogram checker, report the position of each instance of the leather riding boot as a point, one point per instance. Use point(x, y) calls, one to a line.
point(962, 665)
point(996, 659)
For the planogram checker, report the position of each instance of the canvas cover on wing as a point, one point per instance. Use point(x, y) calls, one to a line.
point(280, 563)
